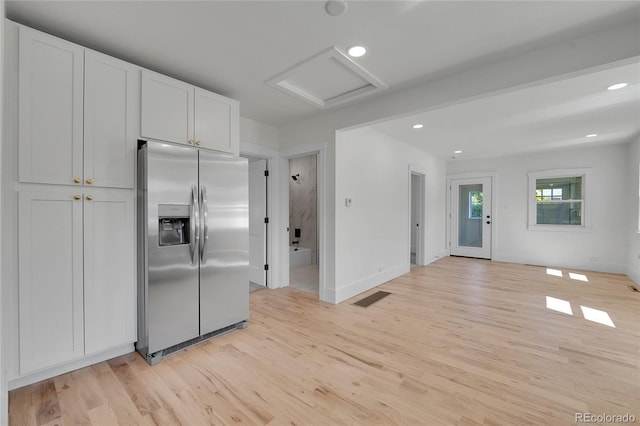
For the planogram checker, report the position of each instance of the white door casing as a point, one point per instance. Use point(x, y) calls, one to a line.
point(257, 225)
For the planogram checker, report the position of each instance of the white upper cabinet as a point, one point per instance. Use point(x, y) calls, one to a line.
point(167, 108)
point(78, 114)
point(111, 121)
point(50, 109)
point(216, 121)
point(177, 112)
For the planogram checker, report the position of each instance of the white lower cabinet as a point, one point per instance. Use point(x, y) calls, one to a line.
point(109, 269)
point(76, 273)
point(50, 283)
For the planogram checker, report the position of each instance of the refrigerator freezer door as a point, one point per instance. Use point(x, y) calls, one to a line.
point(224, 269)
point(172, 294)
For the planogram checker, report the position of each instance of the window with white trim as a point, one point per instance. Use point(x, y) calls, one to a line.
point(475, 204)
point(557, 199)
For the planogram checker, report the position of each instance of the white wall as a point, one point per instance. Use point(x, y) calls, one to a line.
point(633, 230)
point(254, 132)
point(372, 238)
point(4, 405)
point(603, 248)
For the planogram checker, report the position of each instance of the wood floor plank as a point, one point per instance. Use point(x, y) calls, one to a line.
point(459, 342)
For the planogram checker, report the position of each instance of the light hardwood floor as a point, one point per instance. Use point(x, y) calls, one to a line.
point(460, 342)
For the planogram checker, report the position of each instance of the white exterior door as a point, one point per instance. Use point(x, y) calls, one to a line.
point(257, 225)
point(471, 217)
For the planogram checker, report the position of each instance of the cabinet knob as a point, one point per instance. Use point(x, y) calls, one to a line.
point(198, 142)
point(77, 197)
point(89, 197)
point(77, 180)
point(191, 142)
point(89, 181)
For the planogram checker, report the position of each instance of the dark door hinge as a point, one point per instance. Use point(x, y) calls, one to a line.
point(266, 220)
point(266, 173)
point(266, 267)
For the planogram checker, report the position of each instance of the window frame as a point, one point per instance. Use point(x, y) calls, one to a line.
point(470, 216)
point(584, 173)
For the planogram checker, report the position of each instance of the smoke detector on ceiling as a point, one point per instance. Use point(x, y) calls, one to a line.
point(335, 7)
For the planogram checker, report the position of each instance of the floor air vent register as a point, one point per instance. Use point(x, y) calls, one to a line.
point(370, 300)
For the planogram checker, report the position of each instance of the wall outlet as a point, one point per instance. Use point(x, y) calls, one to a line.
point(347, 202)
point(380, 268)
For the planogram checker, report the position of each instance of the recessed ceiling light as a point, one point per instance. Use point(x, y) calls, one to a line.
point(591, 135)
point(617, 86)
point(418, 126)
point(336, 7)
point(356, 51)
point(457, 151)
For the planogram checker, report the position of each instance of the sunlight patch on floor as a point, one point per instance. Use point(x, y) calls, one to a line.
point(559, 305)
point(578, 277)
point(554, 272)
point(598, 316)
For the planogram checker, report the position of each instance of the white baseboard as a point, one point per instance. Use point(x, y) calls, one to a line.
point(28, 379)
point(634, 275)
point(440, 254)
point(357, 287)
point(560, 263)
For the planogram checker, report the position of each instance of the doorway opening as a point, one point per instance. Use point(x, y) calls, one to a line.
point(416, 220)
point(303, 223)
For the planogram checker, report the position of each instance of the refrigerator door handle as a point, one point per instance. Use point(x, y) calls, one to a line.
point(195, 225)
point(204, 238)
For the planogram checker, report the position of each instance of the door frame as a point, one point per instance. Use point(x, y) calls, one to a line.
point(272, 254)
point(318, 149)
point(265, 225)
point(494, 199)
point(415, 170)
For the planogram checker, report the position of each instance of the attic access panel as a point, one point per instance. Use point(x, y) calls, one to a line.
point(327, 79)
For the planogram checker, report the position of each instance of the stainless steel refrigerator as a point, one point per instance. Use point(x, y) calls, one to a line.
point(193, 246)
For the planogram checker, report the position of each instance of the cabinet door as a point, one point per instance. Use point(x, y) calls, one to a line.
point(167, 108)
point(109, 268)
point(216, 121)
point(50, 283)
point(111, 121)
point(50, 109)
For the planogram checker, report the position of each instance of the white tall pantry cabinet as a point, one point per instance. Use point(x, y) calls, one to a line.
point(72, 120)
point(78, 123)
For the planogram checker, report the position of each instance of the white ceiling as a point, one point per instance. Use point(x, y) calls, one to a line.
point(552, 115)
point(236, 47)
